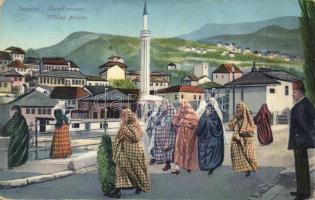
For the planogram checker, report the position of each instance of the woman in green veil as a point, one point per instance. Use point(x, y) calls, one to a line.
point(16, 128)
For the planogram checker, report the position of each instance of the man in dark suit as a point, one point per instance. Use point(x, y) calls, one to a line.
point(301, 138)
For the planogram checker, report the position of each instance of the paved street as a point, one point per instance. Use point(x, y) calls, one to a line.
point(223, 184)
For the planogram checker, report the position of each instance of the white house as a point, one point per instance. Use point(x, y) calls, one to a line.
point(190, 80)
point(203, 79)
point(158, 80)
point(16, 53)
point(58, 64)
point(226, 73)
point(114, 69)
point(33, 65)
point(36, 106)
point(258, 87)
point(96, 81)
point(171, 66)
point(62, 78)
point(19, 67)
point(5, 59)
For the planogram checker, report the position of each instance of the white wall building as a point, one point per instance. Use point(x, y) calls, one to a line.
point(16, 53)
point(258, 87)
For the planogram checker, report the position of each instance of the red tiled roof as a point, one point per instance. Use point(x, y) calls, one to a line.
point(227, 68)
point(111, 64)
point(182, 88)
point(68, 93)
point(54, 61)
point(17, 64)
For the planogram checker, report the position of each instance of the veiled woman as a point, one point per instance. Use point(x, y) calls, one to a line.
point(164, 135)
point(242, 146)
point(131, 165)
point(61, 144)
point(106, 165)
point(262, 120)
point(150, 133)
point(16, 128)
point(186, 146)
point(210, 139)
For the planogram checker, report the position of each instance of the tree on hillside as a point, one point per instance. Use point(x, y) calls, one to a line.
point(307, 27)
point(123, 83)
point(32, 53)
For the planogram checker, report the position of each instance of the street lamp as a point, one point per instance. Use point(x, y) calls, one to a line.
point(105, 110)
point(233, 71)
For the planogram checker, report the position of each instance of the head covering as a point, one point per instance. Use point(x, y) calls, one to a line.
point(201, 108)
point(298, 85)
point(186, 114)
point(59, 118)
point(215, 104)
point(248, 123)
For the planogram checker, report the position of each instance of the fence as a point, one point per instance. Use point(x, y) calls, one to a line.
point(40, 143)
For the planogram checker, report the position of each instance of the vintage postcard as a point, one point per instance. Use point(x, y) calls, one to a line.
point(157, 99)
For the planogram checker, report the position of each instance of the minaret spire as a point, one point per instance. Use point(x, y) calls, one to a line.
point(145, 55)
point(145, 11)
point(145, 16)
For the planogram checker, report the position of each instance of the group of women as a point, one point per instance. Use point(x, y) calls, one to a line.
point(190, 141)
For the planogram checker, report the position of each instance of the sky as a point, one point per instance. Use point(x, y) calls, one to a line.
point(40, 23)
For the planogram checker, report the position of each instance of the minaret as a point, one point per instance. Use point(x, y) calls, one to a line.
point(145, 55)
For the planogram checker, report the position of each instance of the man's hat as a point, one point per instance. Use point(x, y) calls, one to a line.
point(298, 85)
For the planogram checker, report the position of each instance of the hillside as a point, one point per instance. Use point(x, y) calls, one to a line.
point(273, 38)
point(90, 50)
point(210, 30)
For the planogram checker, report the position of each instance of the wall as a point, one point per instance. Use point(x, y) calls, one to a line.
point(187, 96)
point(115, 73)
point(253, 97)
point(6, 89)
point(278, 101)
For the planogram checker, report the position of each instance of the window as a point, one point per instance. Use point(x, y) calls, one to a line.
point(222, 76)
point(44, 111)
point(27, 111)
point(216, 76)
point(199, 97)
point(175, 96)
point(195, 97)
point(156, 84)
point(39, 111)
point(151, 84)
point(286, 92)
point(272, 90)
point(94, 115)
point(15, 78)
point(33, 110)
point(75, 125)
point(48, 111)
point(5, 84)
point(73, 102)
point(182, 96)
point(102, 114)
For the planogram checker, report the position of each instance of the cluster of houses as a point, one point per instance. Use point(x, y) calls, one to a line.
point(45, 84)
point(232, 50)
